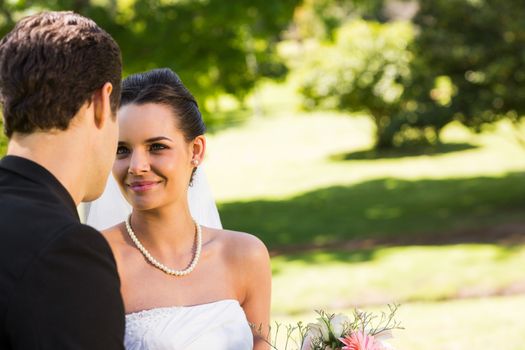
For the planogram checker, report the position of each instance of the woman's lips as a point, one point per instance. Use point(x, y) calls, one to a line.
point(142, 186)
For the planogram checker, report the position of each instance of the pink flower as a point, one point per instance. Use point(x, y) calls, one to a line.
point(360, 341)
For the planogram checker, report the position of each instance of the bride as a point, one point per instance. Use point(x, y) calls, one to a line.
point(184, 286)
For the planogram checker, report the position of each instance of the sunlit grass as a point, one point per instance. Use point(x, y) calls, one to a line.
point(465, 324)
point(289, 155)
point(340, 279)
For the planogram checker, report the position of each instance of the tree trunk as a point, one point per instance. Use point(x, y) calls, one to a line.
point(384, 136)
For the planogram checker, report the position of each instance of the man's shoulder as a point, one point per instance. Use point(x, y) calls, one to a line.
point(53, 254)
point(33, 227)
point(77, 243)
point(34, 218)
point(81, 238)
point(70, 283)
point(35, 244)
point(76, 234)
point(33, 232)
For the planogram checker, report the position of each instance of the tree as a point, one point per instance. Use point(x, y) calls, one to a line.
point(362, 71)
point(478, 47)
point(215, 47)
point(207, 42)
point(321, 18)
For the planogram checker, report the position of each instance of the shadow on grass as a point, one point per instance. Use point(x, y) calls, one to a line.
point(407, 151)
point(384, 211)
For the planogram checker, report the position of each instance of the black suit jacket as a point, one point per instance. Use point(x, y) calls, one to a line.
point(59, 287)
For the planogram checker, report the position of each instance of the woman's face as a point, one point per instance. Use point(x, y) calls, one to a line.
point(154, 162)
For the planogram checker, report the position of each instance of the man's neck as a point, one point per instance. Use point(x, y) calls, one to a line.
point(59, 152)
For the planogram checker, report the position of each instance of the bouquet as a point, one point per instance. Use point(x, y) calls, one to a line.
point(361, 331)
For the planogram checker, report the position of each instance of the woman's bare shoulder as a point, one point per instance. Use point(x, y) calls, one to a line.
point(115, 236)
point(240, 245)
point(249, 260)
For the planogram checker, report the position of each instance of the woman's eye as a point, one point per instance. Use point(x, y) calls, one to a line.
point(122, 150)
point(157, 147)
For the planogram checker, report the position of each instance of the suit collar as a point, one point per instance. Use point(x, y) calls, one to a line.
point(38, 174)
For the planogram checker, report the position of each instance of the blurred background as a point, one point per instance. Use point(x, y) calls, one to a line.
point(377, 147)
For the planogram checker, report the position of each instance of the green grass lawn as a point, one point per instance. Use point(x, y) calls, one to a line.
point(387, 207)
point(285, 156)
point(305, 179)
point(381, 275)
point(298, 179)
point(491, 323)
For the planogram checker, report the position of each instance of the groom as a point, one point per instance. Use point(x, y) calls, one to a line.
point(60, 87)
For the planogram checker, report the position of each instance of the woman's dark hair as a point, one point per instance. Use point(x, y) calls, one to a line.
point(164, 86)
point(51, 63)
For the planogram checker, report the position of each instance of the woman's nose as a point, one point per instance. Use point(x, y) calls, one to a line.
point(139, 163)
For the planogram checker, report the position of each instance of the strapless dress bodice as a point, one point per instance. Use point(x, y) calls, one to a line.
point(220, 325)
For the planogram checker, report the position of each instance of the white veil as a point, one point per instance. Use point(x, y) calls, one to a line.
point(111, 208)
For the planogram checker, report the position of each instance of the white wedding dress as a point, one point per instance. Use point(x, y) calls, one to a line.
point(219, 325)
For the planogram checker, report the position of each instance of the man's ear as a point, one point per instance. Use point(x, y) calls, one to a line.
point(102, 104)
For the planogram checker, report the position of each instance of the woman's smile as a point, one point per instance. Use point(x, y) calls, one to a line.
point(143, 186)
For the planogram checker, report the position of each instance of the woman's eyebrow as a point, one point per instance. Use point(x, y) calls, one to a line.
point(158, 138)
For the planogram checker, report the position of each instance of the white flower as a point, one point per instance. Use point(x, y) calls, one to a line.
point(338, 323)
point(313, 333)
point(314, 330)
point(321, 329)
point(324, 328)
point(307, 342)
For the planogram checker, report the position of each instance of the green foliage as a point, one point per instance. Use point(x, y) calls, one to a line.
point(466, 63)
point(361, 71)
point(216, 47)
point(321, 18)
point(478, 48)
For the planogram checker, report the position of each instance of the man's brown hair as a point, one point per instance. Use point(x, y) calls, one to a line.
point(51, 63)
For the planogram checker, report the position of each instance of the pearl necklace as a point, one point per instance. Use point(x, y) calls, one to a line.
point(161, 266)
